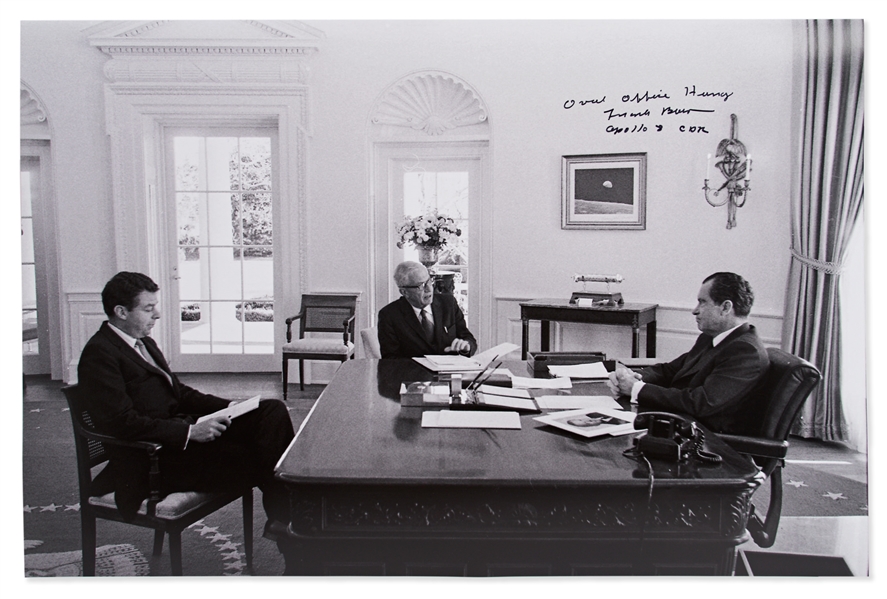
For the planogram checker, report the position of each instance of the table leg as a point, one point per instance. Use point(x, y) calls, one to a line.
point(651, 339)
point(546, 332)
point(635, 341)
point(525, 338)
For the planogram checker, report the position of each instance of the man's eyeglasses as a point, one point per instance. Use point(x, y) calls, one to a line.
point(428, 284)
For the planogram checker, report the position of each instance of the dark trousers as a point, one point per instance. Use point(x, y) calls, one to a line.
point(244, 455)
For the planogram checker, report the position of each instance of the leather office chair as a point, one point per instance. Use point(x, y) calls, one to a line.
point(785, 388)
point(369, 337)
point(320, 313)
point(170, 514)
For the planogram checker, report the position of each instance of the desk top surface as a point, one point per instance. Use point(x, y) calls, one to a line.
point(565, 304)
point(357, 433)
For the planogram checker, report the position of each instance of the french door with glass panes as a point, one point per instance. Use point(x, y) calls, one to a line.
point(222, 192)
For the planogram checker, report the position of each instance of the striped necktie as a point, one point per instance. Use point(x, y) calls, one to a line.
point(427, 325)
point(140, 345)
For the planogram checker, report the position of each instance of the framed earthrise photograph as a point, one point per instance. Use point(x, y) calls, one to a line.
point(604, 191)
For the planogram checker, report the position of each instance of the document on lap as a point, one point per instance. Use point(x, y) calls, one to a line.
point(234, 409)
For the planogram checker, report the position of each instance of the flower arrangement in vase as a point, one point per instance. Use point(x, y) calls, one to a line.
point(429, 233)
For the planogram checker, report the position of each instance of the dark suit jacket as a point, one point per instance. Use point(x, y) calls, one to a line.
point(714, 385)
point(401, 335)
point(131, 399)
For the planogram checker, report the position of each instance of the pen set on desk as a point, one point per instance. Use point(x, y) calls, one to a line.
point(458, 397)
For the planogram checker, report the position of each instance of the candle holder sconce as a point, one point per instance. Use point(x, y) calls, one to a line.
point(734, 163)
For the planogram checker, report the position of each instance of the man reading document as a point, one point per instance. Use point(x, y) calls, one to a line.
point(132, 394)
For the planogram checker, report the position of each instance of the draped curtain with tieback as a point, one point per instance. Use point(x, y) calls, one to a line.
point(824, 213)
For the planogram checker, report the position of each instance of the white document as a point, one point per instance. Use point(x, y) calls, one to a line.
point(515, 403)
point(575, 402)
point(472, 368)
point(505, 391)
point(593, 370)
point(470, 419)
point(530, 383)
point(234, 409)
point(498, 352)
point(455, 360)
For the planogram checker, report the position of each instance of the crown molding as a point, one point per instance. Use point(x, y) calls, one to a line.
point(209, 38)
point(430, 101)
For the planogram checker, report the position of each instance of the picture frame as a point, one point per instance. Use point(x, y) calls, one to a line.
point(604, 191)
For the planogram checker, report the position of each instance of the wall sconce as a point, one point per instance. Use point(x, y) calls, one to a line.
point(735, 166)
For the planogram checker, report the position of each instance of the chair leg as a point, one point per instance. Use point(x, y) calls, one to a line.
point(764, 533)
point(247, 500)
point(302, 375)
point(158, 541)
point(285, 375)
point(175, 552)
point(87, 542)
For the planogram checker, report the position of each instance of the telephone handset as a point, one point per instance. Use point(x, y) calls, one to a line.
point(670, 437)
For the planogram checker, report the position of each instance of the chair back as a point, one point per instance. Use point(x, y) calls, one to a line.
point(370, 340)
point(90, 452)
point(785, 388)
point(326, 313)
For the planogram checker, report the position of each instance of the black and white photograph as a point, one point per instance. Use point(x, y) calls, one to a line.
point(297, 207)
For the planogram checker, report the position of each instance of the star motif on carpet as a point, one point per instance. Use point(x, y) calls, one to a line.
point(73, 508)
point(49, 508)
point(38, 410)
point(233, 555)
point(227, 545)
point(796, 483)
point(29, 508)
point(208, 529)
point(238, 565)
point(219, 537)
point(834, 496)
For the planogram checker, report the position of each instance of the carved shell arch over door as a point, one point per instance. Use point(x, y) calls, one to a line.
point(431, 101)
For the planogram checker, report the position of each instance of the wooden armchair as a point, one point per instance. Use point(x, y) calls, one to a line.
point(785, 389)
point(165, 514)
point(320, 313)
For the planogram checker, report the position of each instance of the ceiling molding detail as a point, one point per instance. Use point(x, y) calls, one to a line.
point(206, 38)
point(32, 111)
point(430, 101)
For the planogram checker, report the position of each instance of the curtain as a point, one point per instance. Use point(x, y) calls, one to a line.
point(824, 213)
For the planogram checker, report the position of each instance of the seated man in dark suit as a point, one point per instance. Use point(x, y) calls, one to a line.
point(131, 394)
point(422, 322)
point(715, 382)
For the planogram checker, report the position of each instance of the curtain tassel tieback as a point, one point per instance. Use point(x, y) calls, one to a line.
point(829, 268)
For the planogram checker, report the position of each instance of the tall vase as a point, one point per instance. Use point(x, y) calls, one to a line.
point(428, 256)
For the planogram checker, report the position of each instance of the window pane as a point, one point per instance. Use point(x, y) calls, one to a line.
point(195, 328)
point(190, 212)
point(257, 222)
point(255, 162)
point(221, 163)
point(190, 172)
point(227, 328)
point(26, 193)
point(224, 275)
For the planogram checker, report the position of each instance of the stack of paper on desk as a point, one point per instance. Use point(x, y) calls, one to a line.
point(449, 363)
point(530, 383)
point(593, 370)
point(575, 402)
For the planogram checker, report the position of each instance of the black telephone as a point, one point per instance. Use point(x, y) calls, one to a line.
point(670, 437)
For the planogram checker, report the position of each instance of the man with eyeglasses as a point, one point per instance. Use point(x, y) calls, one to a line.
point(422, 322)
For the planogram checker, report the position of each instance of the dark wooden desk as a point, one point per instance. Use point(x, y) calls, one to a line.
point(373, 493)
point(546, 310)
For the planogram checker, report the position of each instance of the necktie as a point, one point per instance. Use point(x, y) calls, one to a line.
point(144, 351)
point(427, 326)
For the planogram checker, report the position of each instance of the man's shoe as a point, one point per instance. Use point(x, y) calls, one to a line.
point(274, 529)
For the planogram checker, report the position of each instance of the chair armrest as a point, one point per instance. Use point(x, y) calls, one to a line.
point(149, 446)
point(348, 326)
point(755, 446)
point(289, 323)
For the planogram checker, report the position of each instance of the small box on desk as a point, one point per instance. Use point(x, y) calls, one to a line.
point(425, 393)
point(538, 362)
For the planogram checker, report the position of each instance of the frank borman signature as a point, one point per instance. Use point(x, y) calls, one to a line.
point(637, 106)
